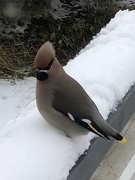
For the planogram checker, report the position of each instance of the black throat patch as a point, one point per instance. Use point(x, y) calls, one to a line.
point(41, 73)
point(41, 76)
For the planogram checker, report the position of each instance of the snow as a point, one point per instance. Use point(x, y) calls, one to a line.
point(30, 148)
point(18, 94)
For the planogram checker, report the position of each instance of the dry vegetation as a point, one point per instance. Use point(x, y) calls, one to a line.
point(17, 51)
point(16, 59)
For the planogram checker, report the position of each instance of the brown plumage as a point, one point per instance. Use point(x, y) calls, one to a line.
point(63, 102)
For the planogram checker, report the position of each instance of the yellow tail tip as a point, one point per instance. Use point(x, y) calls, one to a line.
point(123, 141)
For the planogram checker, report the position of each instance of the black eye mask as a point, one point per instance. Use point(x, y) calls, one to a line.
point(49, 65)
point(41, 73)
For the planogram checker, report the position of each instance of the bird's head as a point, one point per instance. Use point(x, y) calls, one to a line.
point(46, 64)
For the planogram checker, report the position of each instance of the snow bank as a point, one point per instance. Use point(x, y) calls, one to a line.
point(105, 67)
point(31, 149)
point(15, 96)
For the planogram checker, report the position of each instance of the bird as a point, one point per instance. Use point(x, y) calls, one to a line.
point(63, 102)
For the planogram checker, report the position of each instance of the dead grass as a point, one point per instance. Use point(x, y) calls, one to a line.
point(16, 59)
point(17, 53)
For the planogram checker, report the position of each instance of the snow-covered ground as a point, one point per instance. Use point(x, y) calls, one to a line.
point(31, 149)
point(15, 96)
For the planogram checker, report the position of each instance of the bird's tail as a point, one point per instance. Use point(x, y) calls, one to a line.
point(106, 131)
point(120, 138)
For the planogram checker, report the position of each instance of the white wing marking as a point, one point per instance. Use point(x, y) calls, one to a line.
point(70, 116)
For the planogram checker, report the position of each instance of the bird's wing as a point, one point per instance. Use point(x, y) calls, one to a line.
point(74, 105)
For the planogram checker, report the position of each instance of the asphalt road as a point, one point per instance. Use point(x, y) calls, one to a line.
point(118, 157)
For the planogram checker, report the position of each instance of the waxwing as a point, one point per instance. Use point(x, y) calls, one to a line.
point(63, 102)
